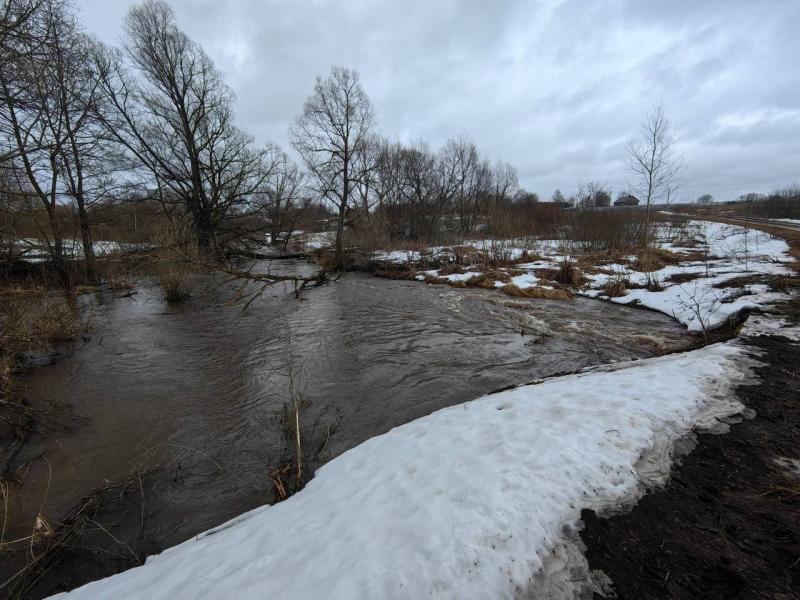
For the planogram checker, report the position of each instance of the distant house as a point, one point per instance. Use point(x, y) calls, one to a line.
point(626, 200)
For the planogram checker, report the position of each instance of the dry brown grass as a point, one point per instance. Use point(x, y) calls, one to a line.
point(791, 309)
point(487, 280)
point(176, 260)
point(654, 259)
point(32, 321)
point(776, 283)
point(117, 272)
point(451, 269)
point(616, 288)
point(679, 278)
point(591, 260)
point(569, 274)
point(535, 292)
point(39, 319)
point(176, 278)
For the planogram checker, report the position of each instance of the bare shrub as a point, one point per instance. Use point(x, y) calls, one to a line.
point(654, 259)
point(653, 283)
point(615, 229)
point(616, 288)
point(683, 277)
point(782, 204)
point(33, 321)
point(176, 260)
point(116, 272)
point(568, 274)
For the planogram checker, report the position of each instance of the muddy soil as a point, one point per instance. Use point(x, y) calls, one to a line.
point(727, 524)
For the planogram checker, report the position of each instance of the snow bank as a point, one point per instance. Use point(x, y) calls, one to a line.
point(473, 501)
point(718, 253)
point(35, 250)
point(706, 302)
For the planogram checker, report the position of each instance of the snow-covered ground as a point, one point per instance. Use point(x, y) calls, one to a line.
point(726, 252)
point(718, 254)
point(790, 221)
point(479, 500)
point(35, 250)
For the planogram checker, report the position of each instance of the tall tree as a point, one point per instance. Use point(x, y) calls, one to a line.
point(175, 119)
point(330, 135)
point(50, 97)
point(505, 182)
point(286, 198)
point(653, 160)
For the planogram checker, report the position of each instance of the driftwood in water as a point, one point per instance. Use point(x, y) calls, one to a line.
point(260, 256)
point(266, 280)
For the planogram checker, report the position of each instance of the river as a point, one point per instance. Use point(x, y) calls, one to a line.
point(198, 389)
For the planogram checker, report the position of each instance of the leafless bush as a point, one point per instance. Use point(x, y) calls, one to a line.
point(616, 287)
point(31, 320)
point(568, 273)
point(176, 260)
point(612, 229)
point(782, 204)
point(81, 529)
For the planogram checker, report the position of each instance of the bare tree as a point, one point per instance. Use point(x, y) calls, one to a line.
point(421, 188)
point(330, 135)
point(387, 174)
point(176, 120)
point(18, 28)
point(593, 194)
point(653, 160)
point(286, 198)
point(506, 182)
point(50, 99)
point(466, 180)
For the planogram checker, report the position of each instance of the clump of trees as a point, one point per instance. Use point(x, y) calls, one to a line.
point(96, 139)
point(91, 132)
point(780, 204)
point(83, 125)
point(386, 192)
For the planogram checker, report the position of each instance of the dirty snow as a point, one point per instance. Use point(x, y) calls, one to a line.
point(36, 250)
point(717, 253)
point(478, 500)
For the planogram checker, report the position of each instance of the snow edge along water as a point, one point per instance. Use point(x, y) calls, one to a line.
point(479, 500)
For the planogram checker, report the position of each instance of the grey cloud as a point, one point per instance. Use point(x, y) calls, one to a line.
point(552, 87)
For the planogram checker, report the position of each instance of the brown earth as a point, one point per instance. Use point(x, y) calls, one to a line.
point(727, 524)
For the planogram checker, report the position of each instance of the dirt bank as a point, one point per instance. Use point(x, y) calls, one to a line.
point(727, 525)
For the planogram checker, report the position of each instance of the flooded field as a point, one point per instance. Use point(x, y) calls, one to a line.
point(198, 390)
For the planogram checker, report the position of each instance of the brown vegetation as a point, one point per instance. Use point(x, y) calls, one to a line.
point(616, 287)
point(679, 278)
point(535, 292)
point(32, 320)
point(654, 259)
point(79, 531)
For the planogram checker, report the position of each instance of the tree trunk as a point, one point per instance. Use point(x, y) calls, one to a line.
point(340, 236)
point(342, 208)
point(86, 241)
point(57, 253)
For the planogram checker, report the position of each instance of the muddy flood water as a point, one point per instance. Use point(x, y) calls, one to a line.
point(188, 400)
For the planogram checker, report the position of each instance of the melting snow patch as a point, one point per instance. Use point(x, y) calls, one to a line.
point(479, 500)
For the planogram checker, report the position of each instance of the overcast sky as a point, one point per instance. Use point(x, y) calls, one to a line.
point(555, 88)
